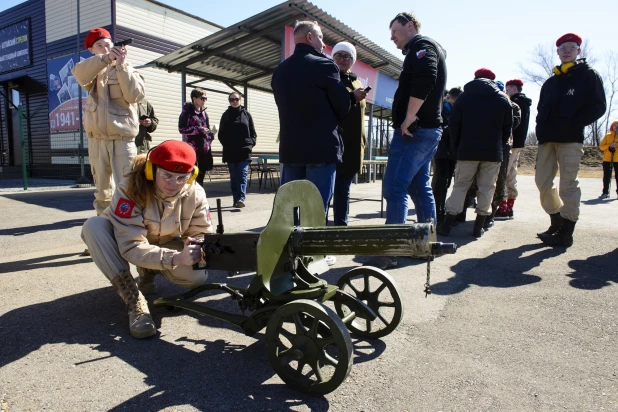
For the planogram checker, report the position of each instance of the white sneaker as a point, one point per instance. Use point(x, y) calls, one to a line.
point(330, 260)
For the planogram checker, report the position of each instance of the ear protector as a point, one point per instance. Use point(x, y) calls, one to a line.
point(563, 68)
point(150, 170)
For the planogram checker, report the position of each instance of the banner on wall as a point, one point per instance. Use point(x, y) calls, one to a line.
point(63, 93)
point(15, 46)
point(385, 91)
point(366, 74)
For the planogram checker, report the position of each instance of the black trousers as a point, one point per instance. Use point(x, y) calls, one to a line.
point(607, 176)
point(441, 181)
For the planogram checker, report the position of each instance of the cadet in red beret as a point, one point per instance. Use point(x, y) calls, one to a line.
point(484, 73)
point(570, 100)
point(134, 230)
point(514, 90)
point(111, 117)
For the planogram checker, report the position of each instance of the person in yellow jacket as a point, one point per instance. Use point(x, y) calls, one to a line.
point(111, 114)
point(608, 145)
point(155, 214)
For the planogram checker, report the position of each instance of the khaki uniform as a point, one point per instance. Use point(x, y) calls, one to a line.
point(486, 174)
point(511, 178)
point(111, 121)
point(565, 156)
point(148, 236)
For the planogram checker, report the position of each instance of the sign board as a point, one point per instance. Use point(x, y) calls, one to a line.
point(63, 93)
point(385, 91)
point(15, 46)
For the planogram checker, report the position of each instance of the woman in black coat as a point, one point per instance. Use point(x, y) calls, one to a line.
point(237, 136)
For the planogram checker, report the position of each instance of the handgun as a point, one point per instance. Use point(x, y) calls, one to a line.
point(123, 43)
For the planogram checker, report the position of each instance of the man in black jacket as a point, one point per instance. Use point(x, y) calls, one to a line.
point(570, 100)
point(520, 134)
point(417, 105)
point(311, 99)
point(480, 126)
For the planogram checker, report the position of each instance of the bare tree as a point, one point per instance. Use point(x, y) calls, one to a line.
point(544, 59)
point(531, 139)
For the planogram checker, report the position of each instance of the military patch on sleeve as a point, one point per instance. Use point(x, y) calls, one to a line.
point(208, 214)
point(124, 208)
point(421, 53)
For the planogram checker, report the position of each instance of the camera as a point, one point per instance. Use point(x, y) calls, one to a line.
point(143, 117)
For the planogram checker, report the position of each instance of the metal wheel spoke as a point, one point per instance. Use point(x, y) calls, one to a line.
point(382, 318)
point(285, 352)
point(349, 283)
point(329, 359)
point(324, 342)
point(386, 304)
point(317, 371)
point(380, 289)
point(368, 324)
point(301, 365)
point(289, 335)
point(300, 328)
point(366, 283)
point(313, 332)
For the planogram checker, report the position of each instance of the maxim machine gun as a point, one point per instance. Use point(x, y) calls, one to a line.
point(308, 322)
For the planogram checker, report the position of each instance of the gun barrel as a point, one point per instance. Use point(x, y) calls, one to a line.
point(415, 240)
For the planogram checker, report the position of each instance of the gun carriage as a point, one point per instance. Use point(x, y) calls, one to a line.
point(307, 342)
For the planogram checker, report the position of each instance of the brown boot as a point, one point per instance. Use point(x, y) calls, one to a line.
point(145, 282)
point(141, 324)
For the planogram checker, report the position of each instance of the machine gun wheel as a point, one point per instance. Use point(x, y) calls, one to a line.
point(378, 290)
point(309, 347)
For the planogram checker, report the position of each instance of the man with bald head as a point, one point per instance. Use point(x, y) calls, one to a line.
point(311, 99)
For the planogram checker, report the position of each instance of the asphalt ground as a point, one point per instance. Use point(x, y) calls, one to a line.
point(512, 325)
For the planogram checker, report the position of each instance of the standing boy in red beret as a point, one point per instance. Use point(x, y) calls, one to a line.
point(513, 89)
point(111, 113)
point(570, 100)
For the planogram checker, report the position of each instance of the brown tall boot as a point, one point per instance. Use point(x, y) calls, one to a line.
point(141, 324)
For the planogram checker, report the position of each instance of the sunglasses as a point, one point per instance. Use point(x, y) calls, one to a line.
point(234, 99)
point(204, 98)
point(404, 16)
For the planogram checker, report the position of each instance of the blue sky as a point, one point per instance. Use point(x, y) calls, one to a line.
point(499, 35)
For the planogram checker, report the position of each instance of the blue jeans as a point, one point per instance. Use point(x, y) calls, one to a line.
point(341, 197)
point(238, 180)
point(321, 175)
point(407, 172)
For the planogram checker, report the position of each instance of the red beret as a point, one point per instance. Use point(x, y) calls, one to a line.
point(569, 37)
point(94, 35)
point(486, 73)
point(173, 155)
point(515, 82)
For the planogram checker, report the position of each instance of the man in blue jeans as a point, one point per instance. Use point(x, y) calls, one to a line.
point(417, 119)
point(311, 99)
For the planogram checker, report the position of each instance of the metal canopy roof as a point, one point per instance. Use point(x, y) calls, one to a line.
point(248, 52)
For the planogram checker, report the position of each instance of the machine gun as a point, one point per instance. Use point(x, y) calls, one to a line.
point(307, 342)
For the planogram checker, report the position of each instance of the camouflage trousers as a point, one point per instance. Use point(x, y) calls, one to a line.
point(500, 194)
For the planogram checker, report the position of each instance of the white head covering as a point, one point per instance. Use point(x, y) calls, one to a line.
point(346, 47)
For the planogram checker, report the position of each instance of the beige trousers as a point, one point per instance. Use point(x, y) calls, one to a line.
point(109, 159)
point(98, 234)
point(550, 158)
point(486, 175)
point(511, 177)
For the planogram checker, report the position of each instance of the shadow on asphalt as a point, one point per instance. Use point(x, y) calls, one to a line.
point(208, 373)
point(503, 269)
point(43, 262)
point(595, 272)
point(597, 201)
point(20, 231)
point(72, 200)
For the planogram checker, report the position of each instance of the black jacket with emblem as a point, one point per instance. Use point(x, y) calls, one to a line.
point(424, 77)
point(237, 134)
point(521, 133)
point(311, 99)
point(481, 122)
point(568, 103)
